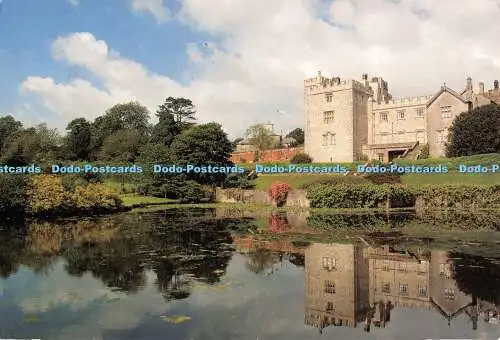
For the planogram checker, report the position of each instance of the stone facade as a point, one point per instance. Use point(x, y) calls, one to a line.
point(344, 281)
point(351, 120)
point(296, 198)
point(336, 285)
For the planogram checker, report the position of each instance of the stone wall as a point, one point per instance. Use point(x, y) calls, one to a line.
point(296, 198)
point(275, 155)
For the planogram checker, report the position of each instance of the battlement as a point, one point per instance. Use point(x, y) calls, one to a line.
point(399, 102)
point(321, 84)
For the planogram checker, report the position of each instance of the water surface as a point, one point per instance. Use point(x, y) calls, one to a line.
point(225, 274)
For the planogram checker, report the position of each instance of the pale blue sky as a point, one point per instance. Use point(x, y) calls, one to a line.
point(240, 61)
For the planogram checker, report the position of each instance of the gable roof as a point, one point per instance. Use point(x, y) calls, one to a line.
point(449, 314)
point(443, 90)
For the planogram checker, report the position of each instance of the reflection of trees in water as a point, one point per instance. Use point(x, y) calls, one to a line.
point(260, 260)
point(178, 252)
point(478, 276)
point(113, 262)
point(11, 253)
point(15, 251)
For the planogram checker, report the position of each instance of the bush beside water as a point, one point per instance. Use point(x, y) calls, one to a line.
point(13, 193)
point(52, 194)
point(358, 196)
point(427, 197)
point(458, 196)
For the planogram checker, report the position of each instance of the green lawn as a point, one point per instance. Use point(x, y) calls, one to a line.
point(485, 159)
point(131, 200)
point(126, 190)
point(451, 178)
point(297, 180)
point(294, 180)
point(126, 187)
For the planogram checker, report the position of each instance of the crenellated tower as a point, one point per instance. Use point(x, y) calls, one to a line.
point(336, 122)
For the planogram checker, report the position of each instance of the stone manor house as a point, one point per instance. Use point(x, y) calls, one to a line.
point(350, 120)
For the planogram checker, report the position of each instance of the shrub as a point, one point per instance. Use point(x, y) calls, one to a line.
point(358, 196)
point(13, 193)
point(383, 178)
point(279, 192)
point(190, 192)
point(92, 177)
point(301, 158)
point(47, 193)
point(70, 182)
point(278, 222)
point(425, 152)
point(94, 197)
point(475, 132)
point(458, 196)
point(237, 181)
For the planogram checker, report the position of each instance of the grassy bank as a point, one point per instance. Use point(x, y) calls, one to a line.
point(296, 181)
point(133, 200)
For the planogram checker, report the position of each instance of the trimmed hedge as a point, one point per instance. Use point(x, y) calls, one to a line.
point(359, 196)
point(386, 195)
point(458, 196)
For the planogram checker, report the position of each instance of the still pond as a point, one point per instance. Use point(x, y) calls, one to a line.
point(232, 274)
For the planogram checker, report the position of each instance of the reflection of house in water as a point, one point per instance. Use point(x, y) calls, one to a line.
point(336, 285)
point(396, 280)
point(346, 284)
point(446, 295)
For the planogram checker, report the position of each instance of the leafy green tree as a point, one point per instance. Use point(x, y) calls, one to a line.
point(298, 135)
point(203, 145)
point(156, 184)
point(49, 142)
point(166, 129)
point(475, 132)
point(21, 148)
point(131, 116)
point(122, 146)
point(8, 126)
point(174, 116)
point(260, 137)
point(78, 141)
point(13, 193)
point(181, 108)
point(154, 153)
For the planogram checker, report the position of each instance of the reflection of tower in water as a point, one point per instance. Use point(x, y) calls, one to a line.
point(336, 285)
point(347, 284)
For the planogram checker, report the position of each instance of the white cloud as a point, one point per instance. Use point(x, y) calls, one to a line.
point(155, 7)
point(74, 2)
point(262, 57)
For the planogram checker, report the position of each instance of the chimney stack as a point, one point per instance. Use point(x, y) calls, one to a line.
point(495, 84)
point(469, 84)
point(481, 88)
